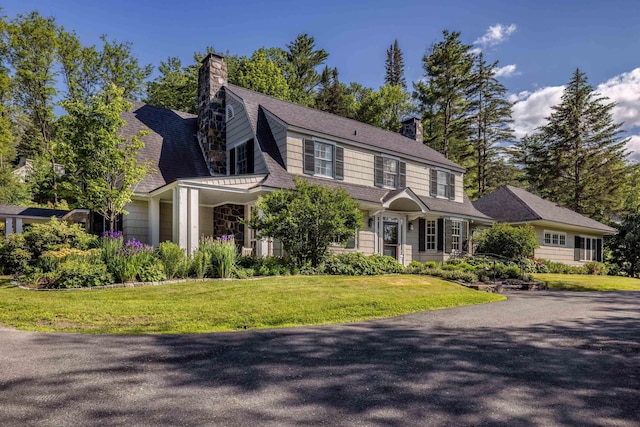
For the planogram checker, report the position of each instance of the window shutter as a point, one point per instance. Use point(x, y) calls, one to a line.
point(339, 163)
point(440, 235)
point(463, 236)
point(309, 159)
point(378, 181)
point(250, 156)
point(402, 174)
point(578, 242)
point(451, 188)
point(599, 250)
point(447, 236)
point(232, 161)
point(433, 178)
point(422, 230)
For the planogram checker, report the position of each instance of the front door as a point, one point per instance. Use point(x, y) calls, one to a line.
point(390, 237)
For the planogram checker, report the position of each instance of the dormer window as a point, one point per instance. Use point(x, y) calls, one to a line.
point(241, 159)
point(443, 184)
point(323, 159)
point(390, 172)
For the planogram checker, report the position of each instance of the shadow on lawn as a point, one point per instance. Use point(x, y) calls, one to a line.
point(584, 372)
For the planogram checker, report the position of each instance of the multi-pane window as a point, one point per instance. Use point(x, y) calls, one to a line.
point(456, 229)
point(443, 178)
point(442, 184)
point(241, 159)
point(588, 251)
point(323, 155)
point(390, 172)
point(430, 242)
point(554, 238)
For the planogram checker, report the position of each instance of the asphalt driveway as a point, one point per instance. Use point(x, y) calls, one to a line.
point(540, 358)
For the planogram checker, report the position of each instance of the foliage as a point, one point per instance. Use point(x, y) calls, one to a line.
point(222, 252)
point(394, 67)
point(15, 256)
point(151, 271)
point(490, 114)
point(81, 271)
point(50, 260)
point(578, 158)
point(358, 264)
point(333, 96)
point(307, 220)
point(301, 74)
point(101, 165)
point(625, 246)
point(201, 263)
point(507, 240)
point(176, 87)
point(464, 276)
point(596, 268)
point(443, 96)
point(54, 235)
point(12, 191)
point(261, 74)
point(173, 259)
point(384, 108)
point(233, 305)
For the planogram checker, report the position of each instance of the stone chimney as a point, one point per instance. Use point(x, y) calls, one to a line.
point(412, 128)
point(212, 132)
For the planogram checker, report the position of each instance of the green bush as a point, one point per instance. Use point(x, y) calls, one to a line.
point(507, 240)
point(15, 256)
point(173, 259)
point(55, 235)
point(414, 267)
point(358, 264)
point(596, 268)
point(201, 263)
point(464, 276)
point(79, 272)
point(152, 271)
point(223, 252)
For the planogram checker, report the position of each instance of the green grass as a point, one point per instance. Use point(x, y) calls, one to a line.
point(213, 306)
point(581, 282)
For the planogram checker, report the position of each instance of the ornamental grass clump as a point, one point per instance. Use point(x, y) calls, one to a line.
point(223, 252)
point(134, 260)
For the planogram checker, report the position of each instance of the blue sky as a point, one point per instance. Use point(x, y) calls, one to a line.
point(540, 43)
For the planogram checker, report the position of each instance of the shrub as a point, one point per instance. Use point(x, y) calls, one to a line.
point(130, 259)
point(507, 240)
point(173, 259)
point(78, 272)
point(222, 251)
point(15, 256)
point(596, 268)
point(201, 263)
point(414, 267)
point(152, 271)
point(451, 274)
point(50, 260)
point(55, 235)
point(358, 264)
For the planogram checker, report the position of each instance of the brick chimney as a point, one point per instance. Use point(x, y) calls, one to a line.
point(212, 132)
point(412, 128)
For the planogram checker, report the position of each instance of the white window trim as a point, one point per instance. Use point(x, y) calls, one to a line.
point(455, 185)
point(593, 250)
point(435, 235)
point(397, 160)
point(557, 233)
point(333, 161)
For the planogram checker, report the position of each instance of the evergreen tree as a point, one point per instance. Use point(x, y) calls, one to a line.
point(443, 97)
point(490, 125)
point(585, 152)
point(333, 96)
point(394, 67)
point(303, 59)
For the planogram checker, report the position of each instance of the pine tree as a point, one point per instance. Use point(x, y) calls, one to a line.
point(585, 152)
point(443, 97)
point(394, 67)
point(303, 59)
point(333, 96)
point(490, 124)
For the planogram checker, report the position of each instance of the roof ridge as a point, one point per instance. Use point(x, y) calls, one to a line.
point(144, 104)
point(522, 202)
point(323, 112)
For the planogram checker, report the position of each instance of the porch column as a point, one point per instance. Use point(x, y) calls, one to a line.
point(18, 225)
point(8, 226)
point(154, 221)
point(180, 217)
point(194, 220)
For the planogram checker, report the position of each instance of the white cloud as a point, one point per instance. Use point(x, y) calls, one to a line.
point(507, 71)
point(624, 89)
point(634, 147)
point(496, 34)
point(531, 108)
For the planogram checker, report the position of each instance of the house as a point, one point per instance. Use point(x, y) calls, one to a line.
point(209, 170)
point(13, 219)
point(563, 235)
point(26, 167)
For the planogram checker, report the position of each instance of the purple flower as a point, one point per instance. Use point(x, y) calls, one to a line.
point(112, 235)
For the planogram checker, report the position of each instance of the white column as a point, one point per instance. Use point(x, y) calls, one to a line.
point(8, 226)
point(18, 225)
point(194, 220)
point(180, 217)
point(154, 221)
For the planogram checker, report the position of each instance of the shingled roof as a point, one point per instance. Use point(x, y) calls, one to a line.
point(340, 127)
point(12, 210)
point(513, 204)
point(170, 148)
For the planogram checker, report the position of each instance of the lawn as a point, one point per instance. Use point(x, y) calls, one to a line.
point(581, 282)
point(231, 305)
